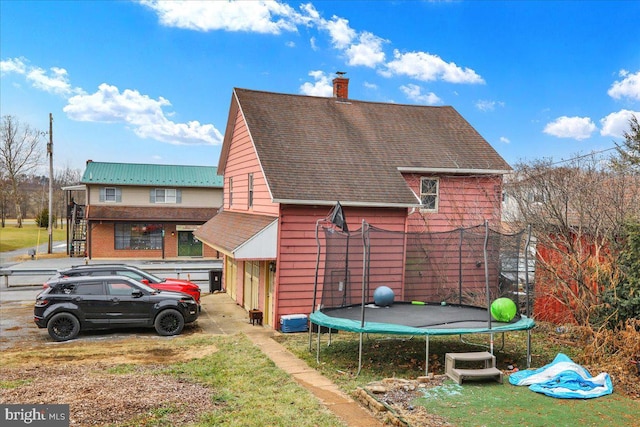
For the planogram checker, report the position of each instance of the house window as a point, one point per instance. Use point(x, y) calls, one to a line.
point(230, 191)
point(110, 194)
point(429, 194)
point(138, 236)
point(165, 195)
point(250, 190)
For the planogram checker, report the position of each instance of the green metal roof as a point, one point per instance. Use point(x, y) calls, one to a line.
point(151, 175)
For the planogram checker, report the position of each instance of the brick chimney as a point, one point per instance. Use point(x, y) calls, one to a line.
point(341, 86)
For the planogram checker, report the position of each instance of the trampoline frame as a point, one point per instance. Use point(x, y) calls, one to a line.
point(320, 319)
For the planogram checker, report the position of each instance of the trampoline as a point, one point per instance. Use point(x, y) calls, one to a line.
point(444, 283)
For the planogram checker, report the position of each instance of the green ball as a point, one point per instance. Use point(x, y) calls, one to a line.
point(503, 309)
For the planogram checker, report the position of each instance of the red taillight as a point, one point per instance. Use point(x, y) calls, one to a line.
point(45, 285)
point(42, 302)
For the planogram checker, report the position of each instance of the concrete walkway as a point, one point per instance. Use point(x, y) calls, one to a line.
point(224, 316)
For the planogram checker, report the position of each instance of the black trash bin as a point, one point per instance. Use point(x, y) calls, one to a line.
point(215, 280)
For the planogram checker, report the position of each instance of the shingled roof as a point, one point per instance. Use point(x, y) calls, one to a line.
point(315, 150)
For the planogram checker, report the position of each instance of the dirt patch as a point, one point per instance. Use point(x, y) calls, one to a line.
point(392, 401)
point(107, 378)
point(97, 397)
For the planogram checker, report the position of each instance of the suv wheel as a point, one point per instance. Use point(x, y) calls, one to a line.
point(63, 326)
point(169, 322)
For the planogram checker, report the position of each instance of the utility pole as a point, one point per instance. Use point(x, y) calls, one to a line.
point(50, 155)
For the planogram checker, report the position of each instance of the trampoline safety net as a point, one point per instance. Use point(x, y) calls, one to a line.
point(456, 267)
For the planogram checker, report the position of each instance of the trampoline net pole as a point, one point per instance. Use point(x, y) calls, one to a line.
point(486, 275)
point(315, 283)
point(364, 273)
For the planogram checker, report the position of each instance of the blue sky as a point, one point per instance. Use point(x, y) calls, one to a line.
point(151, 82)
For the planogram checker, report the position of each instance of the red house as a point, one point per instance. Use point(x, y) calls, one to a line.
point(287, 160)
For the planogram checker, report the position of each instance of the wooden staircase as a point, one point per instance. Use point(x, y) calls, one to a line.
point(488, 370)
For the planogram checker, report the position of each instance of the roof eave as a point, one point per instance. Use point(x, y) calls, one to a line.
point(344, 203)
point(409, 169)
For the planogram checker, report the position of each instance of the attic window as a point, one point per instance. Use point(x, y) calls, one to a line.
point(429, 194)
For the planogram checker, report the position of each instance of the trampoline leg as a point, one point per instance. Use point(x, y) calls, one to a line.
point(318, 347)
point(491, 342)
point(528, 348)
point(426, 357)
point(360, 356)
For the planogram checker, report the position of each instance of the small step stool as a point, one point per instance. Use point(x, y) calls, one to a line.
point(459, 374)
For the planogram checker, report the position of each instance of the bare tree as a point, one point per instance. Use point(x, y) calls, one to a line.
point(64, 177)
point(576, 211)
point(20, 154)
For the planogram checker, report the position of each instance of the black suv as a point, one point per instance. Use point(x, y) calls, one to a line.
point(169, 284)
point(69, 305)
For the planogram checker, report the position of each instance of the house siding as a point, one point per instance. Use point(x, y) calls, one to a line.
point(139, 196)
point(298, 250)
point(242, 161)
point(463, 201)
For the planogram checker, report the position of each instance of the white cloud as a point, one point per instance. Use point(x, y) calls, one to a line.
point(322, 86)
point(486, 105)
point(340, 32)
point(414, 93)
point(427, 67)
point(371, 86)
point(312, 43)
point(505, 140)
point(615, 124)
point(13, 65)
point(571, 127)
point(628, 87)
point(268, 17)
point(367, 52)
point(55, 81)
point(143, 113)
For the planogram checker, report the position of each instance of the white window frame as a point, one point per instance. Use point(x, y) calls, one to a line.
point(431, 193)
point(166, 196)
point(110, 195)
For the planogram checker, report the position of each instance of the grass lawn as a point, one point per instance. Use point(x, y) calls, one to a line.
point(472, 403)
point(252, 391)
point(209, 381)
point(30, 235)
point(493, 404)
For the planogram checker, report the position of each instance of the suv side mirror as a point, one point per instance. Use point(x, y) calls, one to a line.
point(136, 293)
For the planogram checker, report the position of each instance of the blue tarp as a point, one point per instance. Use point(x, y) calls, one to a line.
point(564, 379)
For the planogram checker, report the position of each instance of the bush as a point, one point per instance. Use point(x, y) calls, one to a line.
point(42, 220)
point(621, 295)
